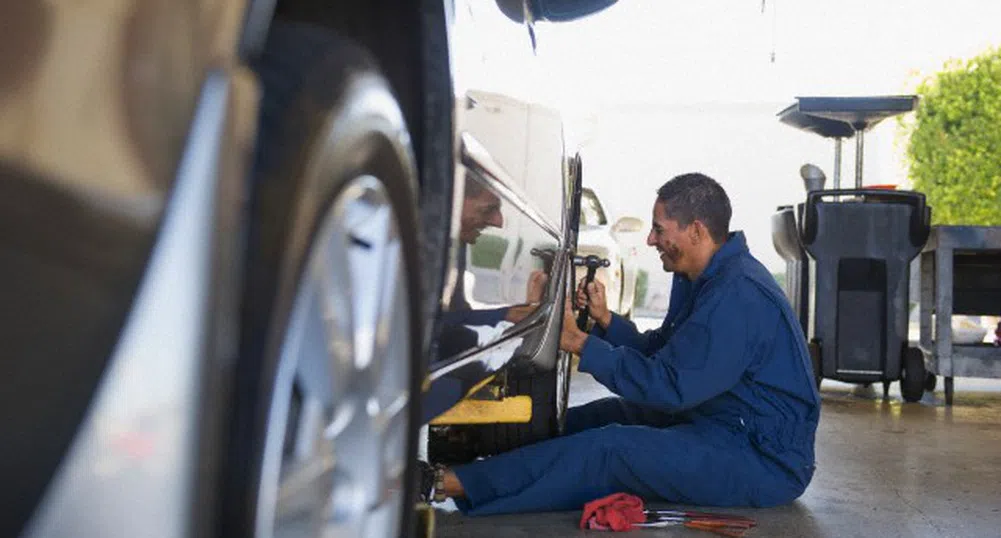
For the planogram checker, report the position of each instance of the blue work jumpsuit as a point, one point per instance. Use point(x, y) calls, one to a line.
point(717, 407)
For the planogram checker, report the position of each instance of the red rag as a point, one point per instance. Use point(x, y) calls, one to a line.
point(617, 511)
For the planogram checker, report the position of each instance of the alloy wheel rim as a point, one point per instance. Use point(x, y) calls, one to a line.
point(562, 390)
point(335, 447)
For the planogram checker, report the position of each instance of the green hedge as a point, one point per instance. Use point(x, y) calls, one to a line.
point(954, 146)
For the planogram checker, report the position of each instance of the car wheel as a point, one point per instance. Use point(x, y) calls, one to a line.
point(331, 347)
point(549, 390)
point(563, 371)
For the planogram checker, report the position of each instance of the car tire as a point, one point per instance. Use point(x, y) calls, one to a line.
point(549, 389)
point(326, 422)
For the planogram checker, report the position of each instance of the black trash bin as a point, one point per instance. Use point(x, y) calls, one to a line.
point(854, 304)
point(848, 255)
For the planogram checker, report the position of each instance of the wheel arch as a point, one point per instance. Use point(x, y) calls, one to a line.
point(409, 42)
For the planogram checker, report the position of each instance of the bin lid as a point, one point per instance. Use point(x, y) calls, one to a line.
point(841, 117)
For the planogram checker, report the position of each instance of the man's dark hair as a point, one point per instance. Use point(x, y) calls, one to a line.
point(691, 197)
point(473, 186)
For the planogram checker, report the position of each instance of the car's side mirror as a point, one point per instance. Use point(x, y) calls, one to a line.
point(627, 225)
point(566, 10)
point(552, 10)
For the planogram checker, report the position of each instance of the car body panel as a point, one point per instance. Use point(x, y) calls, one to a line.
point(514, 146)
point(136, 463)
point(126, 129)
point(96, 108)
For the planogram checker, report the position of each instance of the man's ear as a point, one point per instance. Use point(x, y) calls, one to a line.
point(697, 232)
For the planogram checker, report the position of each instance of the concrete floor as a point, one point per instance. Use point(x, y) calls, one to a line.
point(884, 469)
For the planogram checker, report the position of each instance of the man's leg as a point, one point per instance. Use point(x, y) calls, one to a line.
point(615, 410)
point(682, 464)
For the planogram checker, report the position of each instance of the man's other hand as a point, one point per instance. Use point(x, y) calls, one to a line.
point(519, 312)
point(536, 286)
point(597, 305)
point(571, 339)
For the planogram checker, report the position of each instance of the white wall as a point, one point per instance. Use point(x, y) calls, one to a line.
point(635, 149)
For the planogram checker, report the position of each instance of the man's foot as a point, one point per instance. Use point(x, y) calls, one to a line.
point(432, 482)
point(426, 481)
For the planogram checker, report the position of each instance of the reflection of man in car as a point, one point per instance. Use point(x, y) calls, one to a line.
point(716, 407)
point(481, 209)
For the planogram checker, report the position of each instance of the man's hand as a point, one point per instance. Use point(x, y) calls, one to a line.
point(597, 306)
point(536, 286)
point(519, 312)
point(572, 339)
point(533, 296)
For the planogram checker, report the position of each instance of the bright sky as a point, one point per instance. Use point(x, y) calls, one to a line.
point(670, 86)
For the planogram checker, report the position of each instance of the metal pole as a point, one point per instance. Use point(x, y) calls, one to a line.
point(837, 163)
point(859, 144)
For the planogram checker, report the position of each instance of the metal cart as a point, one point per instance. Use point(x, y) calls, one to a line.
point(960, 274)
point(848, 253)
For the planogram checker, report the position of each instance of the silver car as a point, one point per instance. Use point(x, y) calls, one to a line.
point(234, 239)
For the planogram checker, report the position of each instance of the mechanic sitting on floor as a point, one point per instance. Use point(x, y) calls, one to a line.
point(717, 407)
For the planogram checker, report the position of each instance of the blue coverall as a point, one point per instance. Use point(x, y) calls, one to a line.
point(717, 407)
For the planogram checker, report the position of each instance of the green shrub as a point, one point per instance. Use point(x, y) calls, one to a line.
point(954, 145)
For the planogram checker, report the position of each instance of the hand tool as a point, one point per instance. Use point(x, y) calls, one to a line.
point(592, 262)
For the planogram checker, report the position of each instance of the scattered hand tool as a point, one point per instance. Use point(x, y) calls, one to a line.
point(721, 524)
point(720, 529)
point(622, 512)
point(698, 515)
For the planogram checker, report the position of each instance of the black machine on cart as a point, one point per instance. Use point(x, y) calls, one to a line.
point(848, 254)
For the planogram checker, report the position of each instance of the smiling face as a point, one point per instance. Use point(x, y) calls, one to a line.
point(691, 221)
point(480, 209)
point(669, 239)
